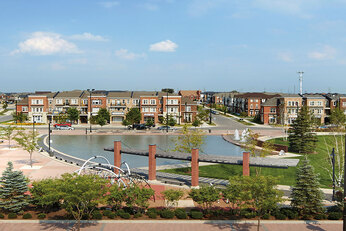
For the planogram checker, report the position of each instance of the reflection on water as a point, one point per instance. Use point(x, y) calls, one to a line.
point(87, 146)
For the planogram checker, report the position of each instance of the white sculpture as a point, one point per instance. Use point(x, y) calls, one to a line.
point(281, 153)
point(244, 135)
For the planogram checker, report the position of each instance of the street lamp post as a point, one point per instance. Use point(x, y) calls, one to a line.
point(167, 113)
point(344, 213)
point(16, 112)
point(90, 91)
point(210, 115)
point(333, 162)
point(49, 131)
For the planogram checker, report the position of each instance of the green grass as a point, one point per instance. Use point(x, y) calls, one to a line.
point(286, 176)
point(244, 122)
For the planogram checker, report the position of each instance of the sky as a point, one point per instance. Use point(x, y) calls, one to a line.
point(215, 45)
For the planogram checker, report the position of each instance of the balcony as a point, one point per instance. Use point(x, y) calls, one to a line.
point(118, 104)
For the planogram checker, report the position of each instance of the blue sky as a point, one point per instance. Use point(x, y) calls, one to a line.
point(222, 45)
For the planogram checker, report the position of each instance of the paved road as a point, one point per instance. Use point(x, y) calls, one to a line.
point(5, 118)
point(170, 225)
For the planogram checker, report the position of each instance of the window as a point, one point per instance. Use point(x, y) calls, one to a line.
point(50, 101)
point(145, 101)
point(256, 106)
point(135, 101)
point(74, 101)
point(251, 106)
point(153, 109)
point(96, 102)
point(251, 100)
point(37, 101)
point(188, 108)
point(273, 110)
point(172, 101)
point(344, 104)
point(312, 103)
point(145, 109)
point(256, 100)
point(36, 109)
point(334, 103)
point(95, 109)
point(58, 101)
point(37, 118)
point(24, 109)
point(85, 101)
point(153, 101)
point(319, 103)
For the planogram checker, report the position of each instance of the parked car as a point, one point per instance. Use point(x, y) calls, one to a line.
point(162, 128)
point(138, 126)
point(214, 112)
point(64, 127)
point(62, 124)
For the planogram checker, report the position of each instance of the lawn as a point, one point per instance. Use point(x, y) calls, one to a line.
point(286, 176)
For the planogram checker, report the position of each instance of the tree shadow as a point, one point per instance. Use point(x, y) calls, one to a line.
point(66, 225)
point(314, 226)
point(232, 226)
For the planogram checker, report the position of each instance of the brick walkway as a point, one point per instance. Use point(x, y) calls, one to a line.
point(170, 225)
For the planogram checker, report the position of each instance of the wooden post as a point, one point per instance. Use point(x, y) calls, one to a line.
point(246, 164)
point(152, 162)
point(117, 155)
point(194, 168)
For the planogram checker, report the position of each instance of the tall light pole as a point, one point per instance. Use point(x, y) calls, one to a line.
point(16, 111)
point(90, 91)
point(167, 112)
point(301, 81)
point(344, 213)
point(49, 131)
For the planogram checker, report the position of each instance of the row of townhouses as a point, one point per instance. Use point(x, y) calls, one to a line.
point(279, 108)
point(42, 107)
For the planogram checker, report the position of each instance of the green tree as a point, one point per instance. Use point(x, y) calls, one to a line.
point(169, 90)
point(259, 193)
point(13, 186)
point(44, 193)
point(20, 117)
point(306, 194)
point(80, 194)
point(27, 141)
point(172, 197)
point(150, 122)
point(189, 139)
point(171, 121)
point(4, 105)
point(104, 113)
point(101, 121)
point(196, 123)
point(116, 196)
point(202, 114)
point(8, 133)
point(337, 117)
point(72, 114)
point(134, 116)
point(125, 122)
point(301, 139)
point(205, 196)
point(138, 196)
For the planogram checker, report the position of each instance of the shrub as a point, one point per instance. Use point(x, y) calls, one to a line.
point(12, 216)
point(320, 216)
point(111, 215)
point(172, 196)
point(2, 216)
point(250, 215)
point(306, 217)
point(125, 215)
point(107, 213)
point(152, 214)
point(166, 213)
point(180, 213)
point(27, 216)
point(97, 215)
point(196, 215)
point(137, 215)
point(41, 216)
point(119, 211)
point(289, 212)
point(266, 216)
point(334, 208)
point(280, 216)
point(334, 216)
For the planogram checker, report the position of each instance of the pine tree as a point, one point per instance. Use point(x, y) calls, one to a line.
point(306, 195)
point(301, 139)
point(13, 185)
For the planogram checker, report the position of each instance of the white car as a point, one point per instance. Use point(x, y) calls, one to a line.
point(64, 127)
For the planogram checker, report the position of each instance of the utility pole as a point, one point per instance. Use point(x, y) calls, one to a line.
point(49, 131)
point(301, 81)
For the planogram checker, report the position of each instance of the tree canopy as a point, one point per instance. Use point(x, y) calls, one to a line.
point(72, 114)
point(134, 116)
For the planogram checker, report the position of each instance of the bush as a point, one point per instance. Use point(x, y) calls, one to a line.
point(12, 216)
point(152, 214)
point(180, 213)
point(266, 216)
point(97, 215)
point(289, 212)
point(280, 216)
point(196, 215)
point(250, 215)
point(41, 216)
point(106, 212)
point(125, 215)
point(306, 217)
point(166, 213)
point(27, 216)
point(2, 216)
point(111, 215)
point(119, 211)
point(320, 216)
point(137, 215)
point(334, 208)
point(334, 216)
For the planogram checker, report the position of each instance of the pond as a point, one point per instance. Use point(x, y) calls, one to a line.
point(87, 146)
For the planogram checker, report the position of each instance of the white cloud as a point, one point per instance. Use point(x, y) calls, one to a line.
point(285, 56)
point(44, 43)
point(109, 4)
point(125, 54)
point(327, 52)
point(201, 7)
point(164, 46)
point(88, 37)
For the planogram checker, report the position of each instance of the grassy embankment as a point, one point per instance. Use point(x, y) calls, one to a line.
point(287, 176)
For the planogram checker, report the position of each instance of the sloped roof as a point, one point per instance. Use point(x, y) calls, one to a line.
point(271, 102)
point(120, 94)
point(75, 94)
